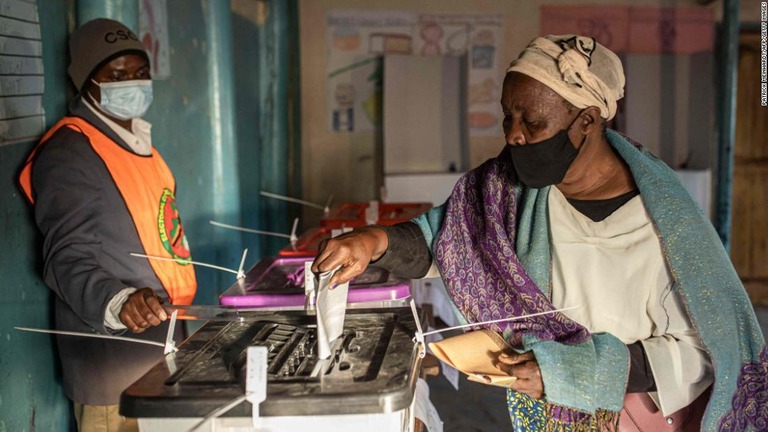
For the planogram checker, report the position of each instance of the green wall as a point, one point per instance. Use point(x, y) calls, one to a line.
point(30, 392)
point(245, 36)
point(182, 131)
point(182, 116)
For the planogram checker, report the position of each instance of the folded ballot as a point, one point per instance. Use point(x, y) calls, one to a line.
point(476, 354)
point(330, 307)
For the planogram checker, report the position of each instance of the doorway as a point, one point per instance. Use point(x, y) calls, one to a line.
point(749, 231)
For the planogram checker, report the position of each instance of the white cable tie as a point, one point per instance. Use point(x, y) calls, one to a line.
point(293, 237)
point(249, 230)
point(240, 272)
point(293, 200)
point(218, 412)
point(180, 260)
point(419, 337)
point(91, 335)
point(500, 320)
point(170, 343)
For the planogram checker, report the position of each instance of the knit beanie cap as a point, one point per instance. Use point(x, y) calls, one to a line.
point(96, 42)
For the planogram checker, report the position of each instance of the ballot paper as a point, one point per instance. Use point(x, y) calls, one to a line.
point(475, 353)
point(331, 307)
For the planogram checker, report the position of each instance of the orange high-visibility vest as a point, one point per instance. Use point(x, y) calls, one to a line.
point(162, 234)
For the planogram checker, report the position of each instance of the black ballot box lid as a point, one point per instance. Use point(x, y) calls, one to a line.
point(373, 368)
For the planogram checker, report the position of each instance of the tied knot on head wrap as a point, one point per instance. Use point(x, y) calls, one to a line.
point(577, 68)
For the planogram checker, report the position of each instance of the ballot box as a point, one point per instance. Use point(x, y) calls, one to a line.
point(307, 243)
point(367, 383)
point(354, 214)
point(279, 282)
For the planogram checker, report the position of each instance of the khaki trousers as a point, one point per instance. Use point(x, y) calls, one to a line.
point(102, 418)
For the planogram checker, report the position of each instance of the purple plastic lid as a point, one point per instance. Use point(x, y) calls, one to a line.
point(276, 282)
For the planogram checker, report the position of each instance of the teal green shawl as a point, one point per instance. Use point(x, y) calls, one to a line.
point(585, 374)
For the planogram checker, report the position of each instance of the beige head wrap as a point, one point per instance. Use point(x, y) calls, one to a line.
point(577, 68)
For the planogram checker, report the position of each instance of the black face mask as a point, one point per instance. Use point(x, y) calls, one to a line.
point(545, 163)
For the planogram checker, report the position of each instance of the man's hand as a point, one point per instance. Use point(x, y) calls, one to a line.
point(352, 251)
point(142, 310)
point(525, 367)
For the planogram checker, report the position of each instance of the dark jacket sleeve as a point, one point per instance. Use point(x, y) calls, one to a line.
point(66, 179)
point(408, 255)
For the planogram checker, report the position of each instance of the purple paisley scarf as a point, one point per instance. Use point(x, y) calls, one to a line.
point(475, 250)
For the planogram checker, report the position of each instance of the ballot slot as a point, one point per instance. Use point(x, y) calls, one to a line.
point(375, 349)
point(291, 355)
point(289, 351)
point(223, 359)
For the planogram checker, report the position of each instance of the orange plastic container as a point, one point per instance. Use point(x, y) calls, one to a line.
point(307, 243)
point(353, 214)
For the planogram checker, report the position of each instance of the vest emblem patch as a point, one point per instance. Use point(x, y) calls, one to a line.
point(170, 228)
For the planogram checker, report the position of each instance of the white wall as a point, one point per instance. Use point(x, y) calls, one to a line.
point(423, 114)
point(669, 107)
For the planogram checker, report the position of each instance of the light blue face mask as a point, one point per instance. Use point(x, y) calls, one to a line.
point(126, 100)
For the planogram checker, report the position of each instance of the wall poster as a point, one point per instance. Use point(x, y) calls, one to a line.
point(358, 39)
point(356, 42)
point(635, 29)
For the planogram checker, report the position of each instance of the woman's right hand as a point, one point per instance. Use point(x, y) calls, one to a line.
point(352, 251)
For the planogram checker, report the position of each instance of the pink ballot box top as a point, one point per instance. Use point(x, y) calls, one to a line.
point(278, 282)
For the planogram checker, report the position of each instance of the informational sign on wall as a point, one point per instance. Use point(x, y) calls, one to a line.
point(21, 72)
point(636, 29)
point(357, 40)
point(153, 33)
point(478, 37)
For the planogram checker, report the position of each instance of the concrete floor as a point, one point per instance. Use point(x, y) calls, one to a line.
point(477, 407)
